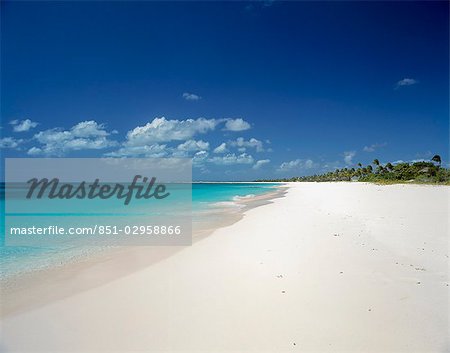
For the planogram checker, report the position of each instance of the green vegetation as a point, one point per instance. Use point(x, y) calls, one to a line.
point(419, 172)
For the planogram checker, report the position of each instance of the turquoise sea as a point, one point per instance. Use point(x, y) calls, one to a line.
point(208, 200)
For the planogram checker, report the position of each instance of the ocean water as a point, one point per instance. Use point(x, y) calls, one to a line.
point(208, 200)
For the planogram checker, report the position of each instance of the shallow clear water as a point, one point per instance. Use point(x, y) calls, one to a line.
point(205, 197)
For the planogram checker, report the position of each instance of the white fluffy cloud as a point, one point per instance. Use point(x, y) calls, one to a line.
point(192, 146)
point(23, 125)
point(163, 130)
point(200, 157)
point(9, 142)
point(260, 163)
point(406, 82)
point(373, 147)
point(348, 157)
point(222, 148)
point(242, 144)
point(296, 164)
point(290, 165)
point(35, 151)
point(151, 139)
point(191, 96)
point(82, 136)
point(232, 158)
point(309, 164)
point(236, 125)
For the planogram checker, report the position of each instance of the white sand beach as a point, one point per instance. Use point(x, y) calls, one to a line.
point(330, 267)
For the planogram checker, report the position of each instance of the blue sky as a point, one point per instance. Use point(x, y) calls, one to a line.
point(248, 89)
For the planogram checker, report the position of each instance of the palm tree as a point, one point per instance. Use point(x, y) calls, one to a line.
point(437, 158)
point(369, 169)
point(376, 162)
point(389, 167)
point(359, 164)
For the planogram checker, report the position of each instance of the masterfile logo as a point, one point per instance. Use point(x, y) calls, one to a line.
point(140, 187)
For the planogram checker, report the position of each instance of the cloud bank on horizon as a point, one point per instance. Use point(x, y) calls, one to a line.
point(162, 137)
point(158, 138)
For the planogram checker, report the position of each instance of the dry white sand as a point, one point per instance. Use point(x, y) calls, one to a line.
point(331, 267)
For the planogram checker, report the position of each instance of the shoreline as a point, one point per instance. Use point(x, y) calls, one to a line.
point(108, 264)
